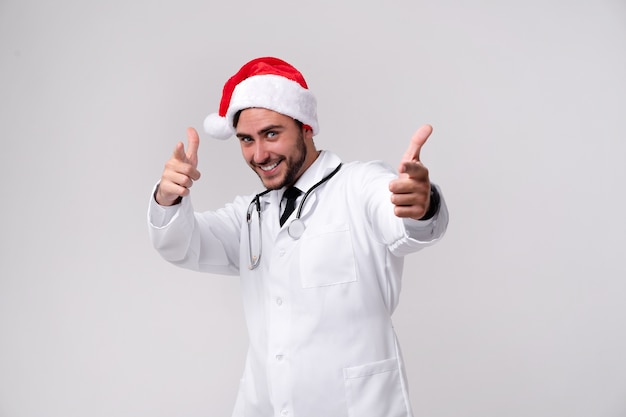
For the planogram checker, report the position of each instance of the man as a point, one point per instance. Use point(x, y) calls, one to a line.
point(321, 282)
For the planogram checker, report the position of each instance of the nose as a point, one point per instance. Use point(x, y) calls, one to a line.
point(261, 154)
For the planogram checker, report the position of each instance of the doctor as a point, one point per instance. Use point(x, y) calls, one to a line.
point(319, 283)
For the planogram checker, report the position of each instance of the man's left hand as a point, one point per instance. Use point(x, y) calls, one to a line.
point(410, 192)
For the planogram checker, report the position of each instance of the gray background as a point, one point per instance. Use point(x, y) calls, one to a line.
point(519, 311)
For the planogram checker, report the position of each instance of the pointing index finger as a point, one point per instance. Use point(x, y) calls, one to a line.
point(417, 141)
point(179, 152)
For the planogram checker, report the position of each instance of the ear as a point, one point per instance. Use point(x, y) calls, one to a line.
point(308, 132)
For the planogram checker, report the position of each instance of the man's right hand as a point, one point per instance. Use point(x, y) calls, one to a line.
point(180, 171)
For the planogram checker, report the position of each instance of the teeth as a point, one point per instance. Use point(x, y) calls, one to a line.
point(269, 167)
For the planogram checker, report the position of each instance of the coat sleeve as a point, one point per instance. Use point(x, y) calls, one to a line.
point(205, 242)
point(402, 236)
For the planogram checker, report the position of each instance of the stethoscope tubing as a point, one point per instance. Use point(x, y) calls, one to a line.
point(295, 232)
point(322, 181)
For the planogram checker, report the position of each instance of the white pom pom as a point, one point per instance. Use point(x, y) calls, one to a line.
point(217, 127)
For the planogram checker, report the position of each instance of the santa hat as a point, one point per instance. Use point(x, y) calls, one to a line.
point(268, 83)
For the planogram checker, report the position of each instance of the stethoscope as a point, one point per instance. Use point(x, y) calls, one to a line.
point(295, 229)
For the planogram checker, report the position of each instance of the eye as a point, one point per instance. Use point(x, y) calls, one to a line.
point(246, 139)
point(271, 134)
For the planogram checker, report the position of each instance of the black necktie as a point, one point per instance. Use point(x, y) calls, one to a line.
point(291, 194)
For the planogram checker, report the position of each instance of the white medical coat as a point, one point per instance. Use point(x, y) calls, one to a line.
point(319, 308)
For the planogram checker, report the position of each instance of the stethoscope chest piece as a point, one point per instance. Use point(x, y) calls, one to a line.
point(296, 229)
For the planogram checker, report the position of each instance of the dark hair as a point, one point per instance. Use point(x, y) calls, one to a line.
point(236, 120)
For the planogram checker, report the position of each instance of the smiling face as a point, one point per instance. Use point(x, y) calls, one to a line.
point(277, 148)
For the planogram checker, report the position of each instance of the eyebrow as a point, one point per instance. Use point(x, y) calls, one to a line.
point(262, 131)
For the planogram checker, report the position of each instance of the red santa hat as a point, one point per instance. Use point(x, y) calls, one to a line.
point(268, 83)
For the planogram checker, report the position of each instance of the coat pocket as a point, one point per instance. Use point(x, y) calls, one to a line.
point(375, 390)
point(327, 257)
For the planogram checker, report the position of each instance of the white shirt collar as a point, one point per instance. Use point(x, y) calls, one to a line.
point(322, 166)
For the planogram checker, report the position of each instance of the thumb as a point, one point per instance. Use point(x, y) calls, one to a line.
point(193, 142)
point(418, 140)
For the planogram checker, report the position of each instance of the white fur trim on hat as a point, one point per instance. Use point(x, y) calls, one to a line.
point(268, 91)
